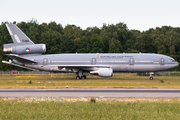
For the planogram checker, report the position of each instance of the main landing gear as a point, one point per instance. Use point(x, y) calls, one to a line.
point(151, 78)
point(80, 75)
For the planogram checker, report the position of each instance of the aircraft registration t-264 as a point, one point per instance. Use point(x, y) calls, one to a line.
point(24, 53)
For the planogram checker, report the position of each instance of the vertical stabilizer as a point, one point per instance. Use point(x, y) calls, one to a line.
point(22, 44)
point(17, 35)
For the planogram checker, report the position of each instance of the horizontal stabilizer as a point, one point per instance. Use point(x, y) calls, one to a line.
point(10, 63)
point(21, 59)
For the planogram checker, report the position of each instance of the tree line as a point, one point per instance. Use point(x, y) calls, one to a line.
point(107, 39)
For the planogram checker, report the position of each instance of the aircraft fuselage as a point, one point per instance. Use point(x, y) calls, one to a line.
point(118, 62)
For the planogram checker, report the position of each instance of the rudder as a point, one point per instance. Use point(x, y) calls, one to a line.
point(17, 35)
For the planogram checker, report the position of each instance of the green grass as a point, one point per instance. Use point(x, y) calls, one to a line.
point(120, 80)
point(72, 76)
point(58, 108)
point(89, 84)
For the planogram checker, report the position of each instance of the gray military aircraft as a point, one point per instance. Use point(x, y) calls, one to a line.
point(26, 54)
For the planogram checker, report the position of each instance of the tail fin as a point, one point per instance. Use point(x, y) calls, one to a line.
point(17, 35)
point(22, 44)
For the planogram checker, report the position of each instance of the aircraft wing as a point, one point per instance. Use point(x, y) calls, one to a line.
point(21, 59)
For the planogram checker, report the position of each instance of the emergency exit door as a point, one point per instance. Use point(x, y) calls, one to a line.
point(162, 61)
point(45, 61)
point(131, 61)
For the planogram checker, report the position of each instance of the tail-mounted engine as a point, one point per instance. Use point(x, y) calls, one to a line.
point(24, 49)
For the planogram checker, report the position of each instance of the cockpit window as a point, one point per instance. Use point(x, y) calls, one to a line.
point(171, 60)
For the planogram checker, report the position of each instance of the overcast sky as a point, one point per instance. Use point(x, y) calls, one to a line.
point(137, 14)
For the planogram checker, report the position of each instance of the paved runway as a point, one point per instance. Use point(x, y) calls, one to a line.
point(88, 79)
point(92, 92)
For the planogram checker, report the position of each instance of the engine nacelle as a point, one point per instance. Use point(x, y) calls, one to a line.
point(103, 72)
point(26, 49)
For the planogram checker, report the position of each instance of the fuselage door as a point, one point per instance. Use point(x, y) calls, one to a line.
point(162, 61)
point(45, 61)
point(131, 61)
point(93, 61)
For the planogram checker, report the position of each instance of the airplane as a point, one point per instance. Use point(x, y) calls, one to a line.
point(24, 53)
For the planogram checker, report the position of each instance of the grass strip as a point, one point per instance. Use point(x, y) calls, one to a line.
point(104, 83)
point(83, 108)
point(128, 80)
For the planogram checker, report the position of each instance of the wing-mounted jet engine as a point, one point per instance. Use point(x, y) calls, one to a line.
point(103, 72)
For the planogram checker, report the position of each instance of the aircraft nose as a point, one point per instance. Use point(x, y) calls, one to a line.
point(177, 64)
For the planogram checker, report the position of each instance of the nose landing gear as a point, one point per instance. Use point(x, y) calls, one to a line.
point(151, 78)
point(151, 73)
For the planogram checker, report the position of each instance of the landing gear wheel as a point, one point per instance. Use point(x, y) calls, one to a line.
point(151, 78)
point(77, 78)
point(82, 77)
